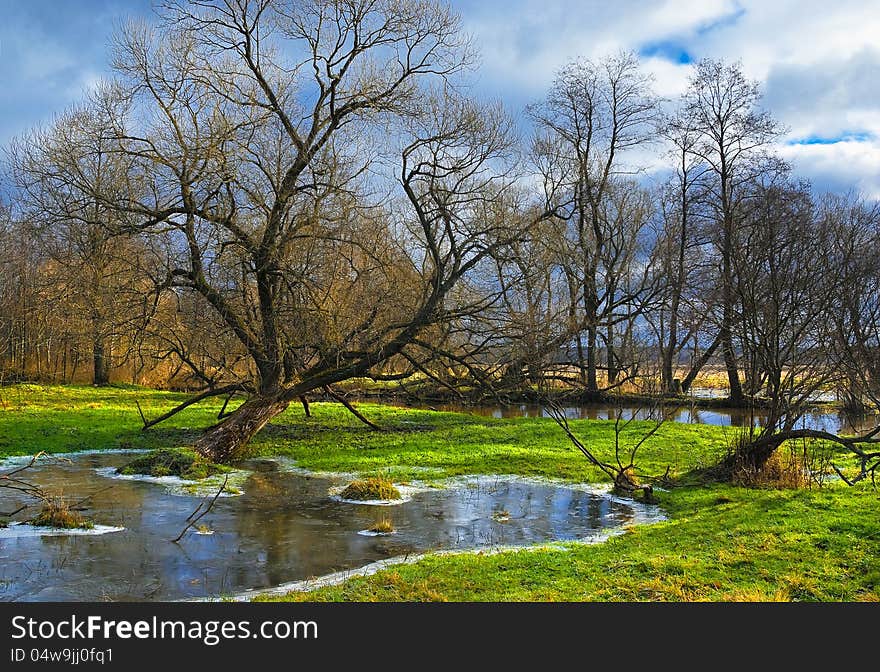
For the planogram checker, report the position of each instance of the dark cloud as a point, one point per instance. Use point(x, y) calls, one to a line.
point(825, 99)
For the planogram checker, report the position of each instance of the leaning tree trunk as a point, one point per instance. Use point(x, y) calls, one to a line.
point(750, 456)
point(227, 441)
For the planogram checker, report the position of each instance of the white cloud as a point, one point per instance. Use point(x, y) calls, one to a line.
point(670, 79)
point(819, 62)
point(524, 43)
point(839, 166)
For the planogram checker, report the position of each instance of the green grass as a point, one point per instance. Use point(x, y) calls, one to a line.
point(415, 444)
point(720, 542)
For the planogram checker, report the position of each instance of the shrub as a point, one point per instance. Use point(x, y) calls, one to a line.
point(781, 470)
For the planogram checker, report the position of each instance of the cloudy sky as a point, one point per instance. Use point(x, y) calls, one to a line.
point(818, 61)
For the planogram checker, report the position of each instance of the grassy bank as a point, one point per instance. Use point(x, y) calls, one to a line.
point(720, 543)
point(415, 443)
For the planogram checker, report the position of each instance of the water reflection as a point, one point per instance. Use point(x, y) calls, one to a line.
point(284, 528)
point(831, 421)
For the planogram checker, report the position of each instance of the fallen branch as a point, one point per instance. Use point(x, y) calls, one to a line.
point(193, 518)
point(216, 392)
point(79, 502)
point(342, 400)
point(12, 513)
point(11, 481)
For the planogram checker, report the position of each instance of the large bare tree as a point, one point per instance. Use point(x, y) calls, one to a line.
point(261, 139)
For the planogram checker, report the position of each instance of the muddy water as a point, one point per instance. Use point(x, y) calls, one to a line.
point(283, 528)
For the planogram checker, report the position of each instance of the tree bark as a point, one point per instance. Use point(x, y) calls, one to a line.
point(610, 361)
point(101, 375)
point(227, 442)
point(667, 375)
point(592, 381)
point(699, 364)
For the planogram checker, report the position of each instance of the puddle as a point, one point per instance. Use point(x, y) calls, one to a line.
point(284, 528)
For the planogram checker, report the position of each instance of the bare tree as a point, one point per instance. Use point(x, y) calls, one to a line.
point(594, 114)
point(90, 277)
point(685, 298)
point(791, 265)
point(534, 316)
point(856, 317)
point(246, 125)
point(732, 135)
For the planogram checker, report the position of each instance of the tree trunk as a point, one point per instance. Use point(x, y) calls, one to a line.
point(227, 442)
point(592, 382)
point(727, 317)
point(581, 360)
point(751, 456)
point(101, 375)
point(610, 360)
point(736, 391)
point(667, 375)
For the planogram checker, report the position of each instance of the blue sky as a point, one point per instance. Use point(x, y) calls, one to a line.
point(819, 62)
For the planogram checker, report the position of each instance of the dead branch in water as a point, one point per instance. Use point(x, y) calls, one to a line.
point(12, 480)
point(193, 518)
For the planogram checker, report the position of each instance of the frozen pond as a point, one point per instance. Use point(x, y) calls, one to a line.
point(284, 527)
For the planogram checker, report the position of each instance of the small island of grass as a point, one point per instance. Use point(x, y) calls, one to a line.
point(186, 464)
point(384, 526)
point(368, 489)
point(57, 513)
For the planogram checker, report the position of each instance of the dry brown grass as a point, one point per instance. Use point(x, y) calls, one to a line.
point(370, 488)
point(384, 526)
point(57, 513)
point(782, 470)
